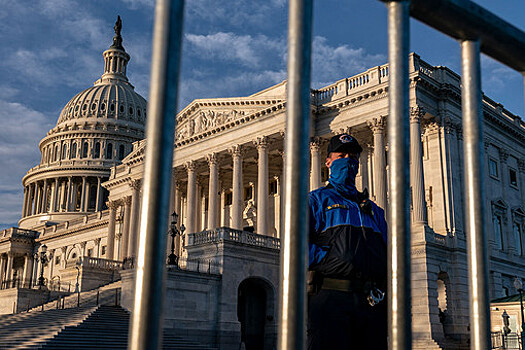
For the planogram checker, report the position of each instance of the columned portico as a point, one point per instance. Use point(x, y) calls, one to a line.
point(237, 180)
point(378, 126)
point(262, 185)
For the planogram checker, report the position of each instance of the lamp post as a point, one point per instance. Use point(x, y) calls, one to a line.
point(519, 287)
point(77, 286)
point(43, 258)
point(173, 259)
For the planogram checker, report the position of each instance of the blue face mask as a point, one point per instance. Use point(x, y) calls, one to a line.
point(342, 176)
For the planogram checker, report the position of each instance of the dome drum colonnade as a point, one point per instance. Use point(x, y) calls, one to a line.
point(94, 132)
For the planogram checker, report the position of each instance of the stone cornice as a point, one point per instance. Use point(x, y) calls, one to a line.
point(72, 231)
point(111, 183)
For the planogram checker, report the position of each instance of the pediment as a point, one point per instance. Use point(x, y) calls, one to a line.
point(500, 204)
point(518, 212)
point(202, 116)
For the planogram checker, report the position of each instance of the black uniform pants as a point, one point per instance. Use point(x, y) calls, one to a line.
point(345, 320)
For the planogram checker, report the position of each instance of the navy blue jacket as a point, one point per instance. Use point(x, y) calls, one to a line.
point(345, 241)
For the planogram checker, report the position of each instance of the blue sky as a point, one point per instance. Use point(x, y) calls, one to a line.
point(52, 49)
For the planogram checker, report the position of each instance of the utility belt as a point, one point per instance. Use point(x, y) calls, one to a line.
point(316, 282)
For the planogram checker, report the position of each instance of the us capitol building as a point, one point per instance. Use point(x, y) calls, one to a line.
point(82, 201)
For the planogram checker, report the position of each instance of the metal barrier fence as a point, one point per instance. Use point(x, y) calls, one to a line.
point(476, 29)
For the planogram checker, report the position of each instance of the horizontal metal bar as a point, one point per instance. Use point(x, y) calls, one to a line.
point(466, 20)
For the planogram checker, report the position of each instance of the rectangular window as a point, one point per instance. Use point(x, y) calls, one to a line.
point(498, 234)
point(518, 239)
point(513, 177)
point(493, 168)
point(90, 252)
point(103, 250)
point(57, 259)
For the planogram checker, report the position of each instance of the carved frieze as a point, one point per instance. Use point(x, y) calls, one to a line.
point(206, 120)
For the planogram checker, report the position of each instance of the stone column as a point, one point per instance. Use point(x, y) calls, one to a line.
point(191, 204)
point(69, 194)
point(315, 164)
point(83, 198)
point(262, 185)
point(44, 198)
point(24, 203)
point(9, 269)
point(29, 207)
point(135, 216)
point(54, 196)
point(213, 189)
point(3, 261)
point(28, 270)
point(224, 219)
point(97, 243)
point(416, 167)
point(36, 207)
point(363, 168)
point(236, 213)
point(125, 232)
point(378, 126)
point(99, 195)
point(112, 205)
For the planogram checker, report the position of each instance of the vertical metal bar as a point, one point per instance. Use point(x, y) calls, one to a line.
point(399, 314)
point(293, 261)
point(146, 325)
point(474, 195)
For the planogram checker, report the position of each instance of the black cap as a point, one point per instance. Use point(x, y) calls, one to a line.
point(344, 143)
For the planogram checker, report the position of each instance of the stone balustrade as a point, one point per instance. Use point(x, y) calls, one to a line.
point(228, 234)
point(18, 232)
point(97, 263)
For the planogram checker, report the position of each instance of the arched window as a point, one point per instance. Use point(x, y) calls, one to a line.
point(109, 151)
point(85, 147)
point(73, 151)
point(64, 151)
point(97, 150)
point(121, 152)
point(56, 153)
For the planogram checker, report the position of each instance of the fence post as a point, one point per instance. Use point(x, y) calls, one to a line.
point(475, 195)
point(292, 315)
point(399, 313)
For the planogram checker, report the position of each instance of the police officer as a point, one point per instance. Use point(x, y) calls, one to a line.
point(347, 258)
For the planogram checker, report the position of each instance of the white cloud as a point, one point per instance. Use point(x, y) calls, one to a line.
point(235, 13)
point(135, 4)
point(244, 49)
point(21, 131)
point(331, 63)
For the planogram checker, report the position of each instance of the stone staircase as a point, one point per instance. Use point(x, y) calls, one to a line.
point(30, 330)
point(90, 326)
point(107, 328)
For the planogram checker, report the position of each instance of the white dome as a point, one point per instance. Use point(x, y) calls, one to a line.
point(107, 99)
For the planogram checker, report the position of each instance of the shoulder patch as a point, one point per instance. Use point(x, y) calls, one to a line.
point(336, 206)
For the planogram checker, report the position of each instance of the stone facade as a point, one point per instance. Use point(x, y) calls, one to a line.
point(226, 188)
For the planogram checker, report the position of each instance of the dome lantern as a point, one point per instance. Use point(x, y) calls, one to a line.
point(115, 58)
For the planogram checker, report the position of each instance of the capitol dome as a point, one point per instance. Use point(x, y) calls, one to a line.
point(94, 132)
